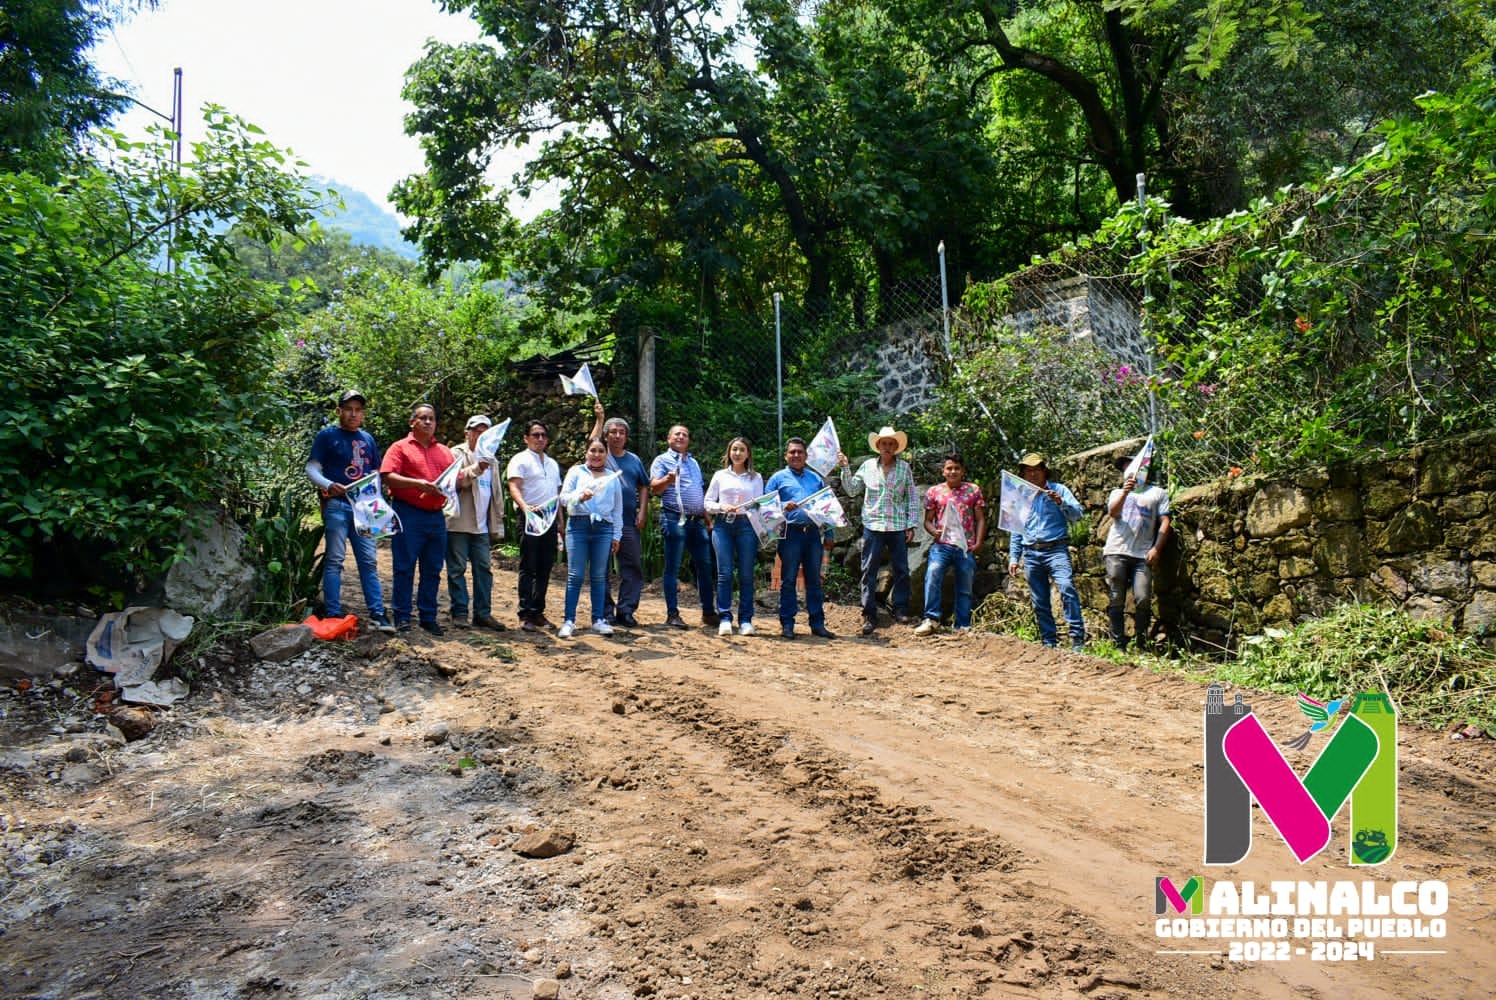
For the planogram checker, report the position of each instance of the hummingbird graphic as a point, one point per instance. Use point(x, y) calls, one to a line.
point(1320, 715)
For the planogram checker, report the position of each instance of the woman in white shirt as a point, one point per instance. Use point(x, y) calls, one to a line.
point(733, 537)
point(594, 524)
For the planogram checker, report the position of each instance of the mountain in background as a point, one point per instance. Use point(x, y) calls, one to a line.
point(364, 219)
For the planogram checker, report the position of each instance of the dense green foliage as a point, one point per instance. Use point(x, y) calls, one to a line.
point(1334, 317)
point(137, 358)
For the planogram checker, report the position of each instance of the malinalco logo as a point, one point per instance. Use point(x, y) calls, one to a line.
point(1188, 898)
point(1358, 763)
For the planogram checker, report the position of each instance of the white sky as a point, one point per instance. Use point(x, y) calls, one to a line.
point(322, 77)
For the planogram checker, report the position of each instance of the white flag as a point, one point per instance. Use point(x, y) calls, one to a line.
point(1017, 500)
point(952, 531)
point(487, 449)
point(820, 455)
point(1138, 467)
point(538, 520)
point(766, 514)
point(824, 509)
point(372, 515)
point(579, 384)
point(447, 483)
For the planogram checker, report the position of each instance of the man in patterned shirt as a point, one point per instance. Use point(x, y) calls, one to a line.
point(890, 512)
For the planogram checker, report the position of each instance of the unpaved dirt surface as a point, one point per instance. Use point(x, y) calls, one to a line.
point(748, 817)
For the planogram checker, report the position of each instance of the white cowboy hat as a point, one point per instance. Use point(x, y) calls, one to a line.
point(888, 432)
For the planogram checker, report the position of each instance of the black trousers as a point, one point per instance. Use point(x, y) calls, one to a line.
point(537, 555)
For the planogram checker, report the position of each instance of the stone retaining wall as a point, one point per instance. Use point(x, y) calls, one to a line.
point(1416, 531)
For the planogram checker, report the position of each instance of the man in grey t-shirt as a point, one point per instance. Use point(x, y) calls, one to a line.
point(1140, 530)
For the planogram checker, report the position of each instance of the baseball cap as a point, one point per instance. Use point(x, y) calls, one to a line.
point(350, 395)
point(1033, 458)
point(479, 420)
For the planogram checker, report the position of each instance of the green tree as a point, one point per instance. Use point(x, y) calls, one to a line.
point(137, 358)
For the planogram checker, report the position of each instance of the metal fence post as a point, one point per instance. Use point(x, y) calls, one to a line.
point(945, 300)
point(647, 384)
point(1142, 326)
point(779, 369)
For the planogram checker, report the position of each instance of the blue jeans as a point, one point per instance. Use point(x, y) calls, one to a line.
point(422, 542)
point(943, 557)
point(736, 546)
point(800, 549)
point(678, 538)
point(464, 547)
point(873, 544)
point(1040, 566)
point(588, 545)
point(337, 532)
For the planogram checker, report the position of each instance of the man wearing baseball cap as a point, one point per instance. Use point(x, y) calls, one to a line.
point(342, 454)
point(1044, 548)
point(470, 534)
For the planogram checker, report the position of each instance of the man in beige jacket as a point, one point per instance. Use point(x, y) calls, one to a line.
point(470, 535)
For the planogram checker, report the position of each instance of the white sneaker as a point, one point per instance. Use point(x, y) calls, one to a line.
point(725, 627)
point(745, 629)
point(601, 627)
point(566, 630)
point(925, 627)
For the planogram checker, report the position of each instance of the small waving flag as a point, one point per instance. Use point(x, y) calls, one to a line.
point(487, 448)
point(1138, 467)
point(447, 483)
point(824, 509)
point(538, 520)
point(766, 514)
point(372, 515)
point(579, 384)
point(821, 453)
point(1016, 501)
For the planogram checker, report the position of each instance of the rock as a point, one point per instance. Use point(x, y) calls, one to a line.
point(618, 706)
point(133, 722)
point(276, 645)
point(1276, 509)
point(563, 970)
point(80, 775)
point(1342, 552)
point(1414, 527)
point(544, 844)
point(215, 580)
point(1441, 577)
point(38, 646)
point(437, 734)
point(546, 989)
point(1480, 612)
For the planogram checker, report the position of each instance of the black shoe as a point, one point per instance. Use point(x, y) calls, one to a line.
point(822, 631)
point(541, 621)
point(488, 622)
point(433, 628)
point(460, 622)
point(403, 626)
point(868, 628)
point(787, 631)
point(900, 618)
point(676, 621)
point(529, 626)
point(383, 624)
point(627, 621)
point(710, 618)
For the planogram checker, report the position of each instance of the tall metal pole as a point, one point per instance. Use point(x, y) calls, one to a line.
point(1142, 325)
point(779, 367)
point(945, 300)
point(176, 116)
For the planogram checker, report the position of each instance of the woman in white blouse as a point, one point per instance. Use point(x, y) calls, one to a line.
point(594, 524)
point(733, 537)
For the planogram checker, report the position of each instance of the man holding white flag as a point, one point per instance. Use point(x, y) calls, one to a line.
point(1043, 546)
point(675, 477)
point(1134, 545)
point(410, 469)
point(800, 548)
point(534, 485)
point(342, 455)
point(479, 522)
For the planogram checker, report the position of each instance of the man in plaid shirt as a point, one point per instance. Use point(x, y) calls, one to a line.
point(890, 511)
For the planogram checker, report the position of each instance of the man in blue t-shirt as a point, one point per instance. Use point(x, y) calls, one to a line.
point(341, 455)
point(800, 548)
point(635, 482)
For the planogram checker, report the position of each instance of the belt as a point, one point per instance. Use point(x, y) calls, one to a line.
point(803, 527)
point(667, 512)
point(1041, 546)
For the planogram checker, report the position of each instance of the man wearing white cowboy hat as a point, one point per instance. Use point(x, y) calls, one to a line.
point(890, 511)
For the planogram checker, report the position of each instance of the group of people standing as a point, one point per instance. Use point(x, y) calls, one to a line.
point(605, 500)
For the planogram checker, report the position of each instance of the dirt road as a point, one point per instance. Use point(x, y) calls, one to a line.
point(749, 817)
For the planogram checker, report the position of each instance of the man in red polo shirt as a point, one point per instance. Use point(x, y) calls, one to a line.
point(410, 469)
